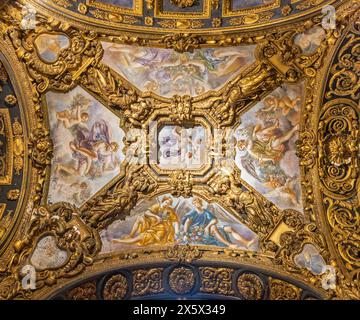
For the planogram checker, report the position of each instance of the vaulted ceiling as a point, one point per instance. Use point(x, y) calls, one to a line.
point(195, 149)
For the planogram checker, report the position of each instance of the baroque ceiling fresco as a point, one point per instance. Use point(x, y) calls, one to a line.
point(166, 149)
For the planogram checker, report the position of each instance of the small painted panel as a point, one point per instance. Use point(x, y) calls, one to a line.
point(310, 259)
point(119, 3)
point(310, 40)
point(49, 46)
point(243, 4)
point(47, 255)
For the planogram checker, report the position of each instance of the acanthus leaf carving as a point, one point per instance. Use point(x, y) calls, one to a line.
point(182, 42)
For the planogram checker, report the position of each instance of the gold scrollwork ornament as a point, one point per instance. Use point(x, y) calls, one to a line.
point(181, 280)
point(147, 281)
point(116, 288)
point(216, 280)
point(250, 286)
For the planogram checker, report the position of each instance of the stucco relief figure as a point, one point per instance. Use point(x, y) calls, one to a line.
point(233, 98)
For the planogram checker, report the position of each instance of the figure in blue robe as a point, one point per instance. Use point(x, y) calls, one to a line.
point(195, 223)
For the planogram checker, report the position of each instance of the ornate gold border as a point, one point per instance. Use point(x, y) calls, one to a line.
point(108, 27)
point(278, 61)
point(160, 13)
point(23, 90)
point(183, 255)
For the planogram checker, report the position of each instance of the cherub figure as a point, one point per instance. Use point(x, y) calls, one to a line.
point(75, 114)
point(137, 112)
point(76, 191)
point(285, 104)
point(69, 119)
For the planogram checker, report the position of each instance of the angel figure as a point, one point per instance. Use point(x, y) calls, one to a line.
point(285, 104)
point(81, 167)
point(158, 225)
point(264, 146)
point(136, 57)
point(225, 62)
point(90, 148)
point(288, 190)
point(200, 225)
point(75, 114)
point(100, 143)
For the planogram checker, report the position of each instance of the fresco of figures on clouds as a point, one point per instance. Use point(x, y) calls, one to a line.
point(167, 220)
point(242, 4)
point(167, 72)
point(87, 146)
point(266, 147)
